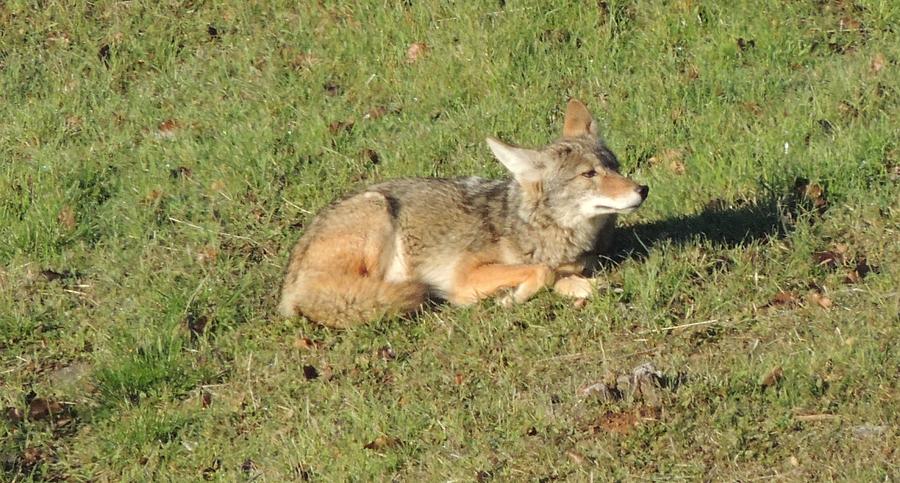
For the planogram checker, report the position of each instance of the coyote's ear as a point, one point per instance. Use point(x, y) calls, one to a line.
point(522, 163)
point(578, 120)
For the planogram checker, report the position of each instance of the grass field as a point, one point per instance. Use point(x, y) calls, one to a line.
point(159, 159)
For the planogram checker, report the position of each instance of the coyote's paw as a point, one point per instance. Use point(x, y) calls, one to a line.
point(574, 286)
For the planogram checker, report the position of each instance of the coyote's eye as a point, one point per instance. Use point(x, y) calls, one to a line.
point(589, 174)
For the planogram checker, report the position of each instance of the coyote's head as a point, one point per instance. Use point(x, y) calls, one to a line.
point(576, 178)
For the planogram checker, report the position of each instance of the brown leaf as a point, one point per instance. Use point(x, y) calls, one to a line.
point(382, 442)
point(859, 272)
point(370, 156)
point(386, 353)
point(820, 300)
point(207, 254)
point(248, 466)
point(784, 298)
point(196, 324)
point(416, 51)
point(849, 23)
point(310, 372)
point(153, 196)
point(829, 259)
point(745, 44)
point(303, 60)
point(337, 127)
point(458, 378)
point(753, 108)
point(103, 54)
point(772, 377)
point(673, 159)
point(210, 470)
point(167, 129)
point(376, 112)
point(181, 172)
point(66, 218)
point(848, 109)
point(333, 89)
point(32, 456)
point(41, 408)
point(576, 457)
point(878, 63)
point(13, 415)
point(205, 399)
point(308, 344)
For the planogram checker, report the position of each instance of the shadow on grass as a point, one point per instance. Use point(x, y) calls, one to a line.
point(721, 224)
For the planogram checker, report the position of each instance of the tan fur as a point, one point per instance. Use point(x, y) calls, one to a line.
point(386, 249)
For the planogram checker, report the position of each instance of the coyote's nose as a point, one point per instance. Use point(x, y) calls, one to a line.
point(643, 190)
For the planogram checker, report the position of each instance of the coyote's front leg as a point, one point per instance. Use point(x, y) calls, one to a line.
point(485, 280)
point(571, 283)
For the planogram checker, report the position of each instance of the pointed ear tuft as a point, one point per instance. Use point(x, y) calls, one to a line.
point(578, 120)
point(522, 163)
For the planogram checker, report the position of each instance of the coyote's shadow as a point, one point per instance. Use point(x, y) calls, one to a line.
point(719, 223)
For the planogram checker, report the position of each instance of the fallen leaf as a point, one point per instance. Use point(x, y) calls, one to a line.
point(153, 196)
point(207, 254)
point(753, 107)
point(308, 344)
point(210, 470)
point(66, 218)
point(382, 442)
point(849, 23)
point(41, 408)
point(820, 300)
point(772, 377)
point(13, 415)
point(576, 457)
point(482, 475)
point(386, 353)
point(181, 172)
point(104, 55)
point(829, 259)
point(370, 156)
point(332, 89)
point(205, 399)
point(303, 60)
point(337, 127)
point(745, 44)
point(248, 466)
point(673, 159)
point(376, 112)
point(167, 129)
point(416, 51)
point(878, 63)
point(310, 372)
point(459, 378)
point(32, 456)
point(784, 298)
point(196, 324)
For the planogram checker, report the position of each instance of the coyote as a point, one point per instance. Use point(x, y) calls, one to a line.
point(385, 249)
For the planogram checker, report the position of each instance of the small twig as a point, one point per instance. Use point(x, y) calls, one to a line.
point(198, 227)
point(817, 417)
point(296, 206)
point(682, 326)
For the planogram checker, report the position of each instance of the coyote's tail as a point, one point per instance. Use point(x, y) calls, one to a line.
point(343, 300)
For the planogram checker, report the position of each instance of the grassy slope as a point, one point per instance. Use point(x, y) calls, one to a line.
point(91, 190)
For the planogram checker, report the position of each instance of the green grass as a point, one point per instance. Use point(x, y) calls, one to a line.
point(139, 266)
